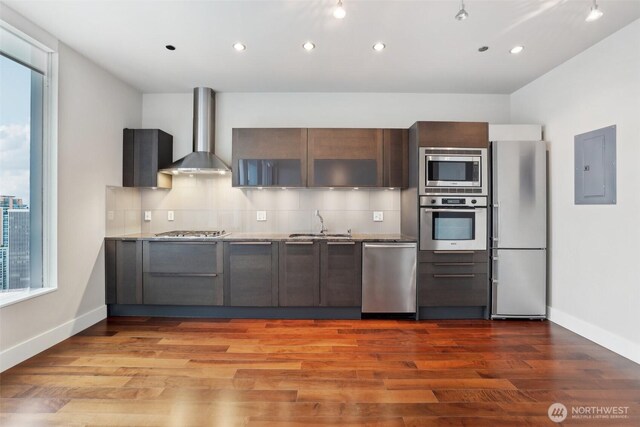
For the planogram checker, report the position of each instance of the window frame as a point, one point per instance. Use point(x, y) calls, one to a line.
point(33, 35)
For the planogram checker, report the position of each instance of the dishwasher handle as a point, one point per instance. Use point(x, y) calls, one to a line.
point(391, 245)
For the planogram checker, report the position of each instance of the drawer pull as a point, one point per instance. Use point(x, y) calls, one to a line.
point(341, 243)
point(250, 243)
point(298, 243)
point(453, 252)
point(184, 274)
point(454, 276)
point(454, 264)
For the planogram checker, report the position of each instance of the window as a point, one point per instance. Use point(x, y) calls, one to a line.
point(25, 138)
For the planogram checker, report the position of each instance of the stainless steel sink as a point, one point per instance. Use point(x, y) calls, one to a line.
point(320, 235)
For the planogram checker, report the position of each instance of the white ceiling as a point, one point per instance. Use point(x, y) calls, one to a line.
point(427, 50)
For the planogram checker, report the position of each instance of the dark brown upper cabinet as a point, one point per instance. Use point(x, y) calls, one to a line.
point(144, 153)
point(345, 158)
point(275, 157)
point(453, 134)
point(396, 158)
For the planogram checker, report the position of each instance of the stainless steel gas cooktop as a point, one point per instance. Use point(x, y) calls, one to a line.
point(193, 234)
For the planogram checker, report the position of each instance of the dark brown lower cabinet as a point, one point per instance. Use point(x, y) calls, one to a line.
point(256, 273)
point(453, 279)
point(341, 274)
point(164, 289)
point(123, 259)
point(251, 274)
point(299, 284)
point(182, 273)
point(452, 290)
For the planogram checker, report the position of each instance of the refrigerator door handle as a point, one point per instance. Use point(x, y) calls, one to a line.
point(494, 236)
point(494, 270)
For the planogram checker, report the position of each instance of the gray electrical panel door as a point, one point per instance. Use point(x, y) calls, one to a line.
point(595, 167)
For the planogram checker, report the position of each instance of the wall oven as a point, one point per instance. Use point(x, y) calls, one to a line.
point(453, 171)
point(453, 223)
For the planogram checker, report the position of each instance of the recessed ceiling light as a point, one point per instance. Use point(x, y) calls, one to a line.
point(239, 46)
point(308, 46)
point(170, 47)
point(379, 46)
point(339, 11)
point(516, 49)
point(483, 48)
point(594, 13)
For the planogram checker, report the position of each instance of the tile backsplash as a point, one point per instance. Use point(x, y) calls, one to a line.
point(210, 202)
point(124, 212)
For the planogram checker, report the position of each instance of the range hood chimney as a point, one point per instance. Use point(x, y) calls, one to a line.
point(203, 159)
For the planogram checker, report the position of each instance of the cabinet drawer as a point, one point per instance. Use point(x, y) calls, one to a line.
point(452, 256)
point(451, 290)
point(183, 290)
point(439, 268)
point(183, 257)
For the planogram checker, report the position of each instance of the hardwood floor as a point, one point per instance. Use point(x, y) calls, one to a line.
point(180, 372)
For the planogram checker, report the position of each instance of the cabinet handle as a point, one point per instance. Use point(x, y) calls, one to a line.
point(454, 264)
point(454, 252)
point(341, 243)
point(454, 276)
point(298, 243)
point(184, 274)
point(250, 243)
point(185, 241)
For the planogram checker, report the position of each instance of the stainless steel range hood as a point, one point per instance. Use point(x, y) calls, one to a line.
point(203, 159)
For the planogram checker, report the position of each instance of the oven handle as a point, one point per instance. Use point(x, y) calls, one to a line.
point(455, 210)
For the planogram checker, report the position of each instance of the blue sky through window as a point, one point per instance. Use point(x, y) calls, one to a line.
point(15, 113)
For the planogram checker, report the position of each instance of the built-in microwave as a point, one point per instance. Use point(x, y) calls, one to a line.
point(453, 171)
point(453, 223)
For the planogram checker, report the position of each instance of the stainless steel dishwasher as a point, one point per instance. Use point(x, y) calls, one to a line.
point(389, 277)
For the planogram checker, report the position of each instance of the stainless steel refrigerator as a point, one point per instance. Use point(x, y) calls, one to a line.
point(519, 229)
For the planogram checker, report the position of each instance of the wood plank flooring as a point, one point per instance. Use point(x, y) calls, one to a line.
point(134, 371)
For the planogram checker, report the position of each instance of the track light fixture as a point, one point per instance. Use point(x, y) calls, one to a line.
point(594, 13)
point(339, 11)
point(462, 13)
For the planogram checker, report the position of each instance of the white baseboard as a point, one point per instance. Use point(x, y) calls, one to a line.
point(29, 348)
point(609, 340)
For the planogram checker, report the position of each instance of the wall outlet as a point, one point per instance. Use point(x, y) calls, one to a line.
point(170, 216)
point(261, 215)
point(111, 215)
point(147, 215)
point(378, 216)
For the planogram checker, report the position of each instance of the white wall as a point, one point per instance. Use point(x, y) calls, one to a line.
point(594, 250)
point(94, 106)
point(173, 112)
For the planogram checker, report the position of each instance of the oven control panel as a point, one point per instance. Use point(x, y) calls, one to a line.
point(453, 201)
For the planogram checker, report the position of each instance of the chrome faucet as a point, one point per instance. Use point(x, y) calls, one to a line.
point(322, 227)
